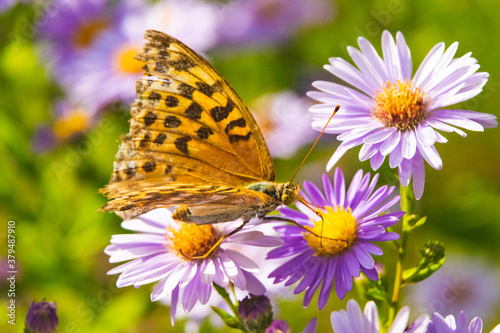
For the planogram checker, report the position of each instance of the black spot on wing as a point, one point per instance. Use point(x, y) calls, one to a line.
point(172, 122)
point(204, 132)
point(220, 113)
point(181, 144)
point(145, 140)
point(149, 166)
point(193, 111)
point(168, 169)
point(186, 90)
point(150, 118)
point(154, 95)
point(130, 172)
point(160, 138)
point(171, 101)
point(240, 122)
point(205, 88)
point(235, 138)
point(182, 63)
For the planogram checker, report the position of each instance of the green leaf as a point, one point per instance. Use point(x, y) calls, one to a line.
point(228, 319)
point(433, 257)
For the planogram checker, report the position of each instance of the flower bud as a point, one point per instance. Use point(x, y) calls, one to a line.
point(256, 312)
point(42, 317)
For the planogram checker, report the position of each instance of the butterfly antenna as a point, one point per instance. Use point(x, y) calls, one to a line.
point(319, 136)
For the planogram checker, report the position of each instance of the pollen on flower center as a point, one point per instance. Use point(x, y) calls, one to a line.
point(400, 105)
point(77, 121)
point(191, 240)
point(338, 231)
point(126, 62)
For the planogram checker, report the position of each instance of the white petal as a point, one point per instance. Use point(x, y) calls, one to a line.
point(390, 143)
point(404, 171)
point(341, 150)
point(376, 161)
point(367, 70)
point(372, 55)
point(348, 73)
point(400, 321)
point(396, 156)
point(418, 176)
point(409, 144)
point(380, 135)
point(391, 56)
point(404, 56)
point(426, 135)
point(428, 64)
point(431, 156)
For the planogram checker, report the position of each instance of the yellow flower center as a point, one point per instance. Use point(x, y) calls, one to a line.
point(191, 240)
point(126, 62)
point(337, 231)
point(76, 122)
point(400, 105)
point(86, 34)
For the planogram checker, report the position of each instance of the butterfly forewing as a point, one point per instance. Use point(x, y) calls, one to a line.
point(188, 129)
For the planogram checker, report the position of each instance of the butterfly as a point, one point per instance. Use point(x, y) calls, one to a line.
point(192, 145)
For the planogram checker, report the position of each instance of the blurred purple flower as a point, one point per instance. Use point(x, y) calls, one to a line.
point(71, 27)
point(269, 21)
point(439, 324)
point(107, 72)
point(390, 113)
point(70, 120)
point(461, 284)
point(5, 5)
point(42, 317)
point(351, 221)
point(281, 119)
point(353, 320)
point(281, 326)
point(163, 251)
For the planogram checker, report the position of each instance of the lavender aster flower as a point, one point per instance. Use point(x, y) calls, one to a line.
point(281, 326)
point(163, 251)
point(353, 320)
point(72, 27)
point(463, 283)
point(391, 113)
point(350, 222)
point(269, 21)
point(461, 325)
point(108, 71)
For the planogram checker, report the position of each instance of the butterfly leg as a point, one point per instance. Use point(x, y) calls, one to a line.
point(284, 219)
point(216, 245)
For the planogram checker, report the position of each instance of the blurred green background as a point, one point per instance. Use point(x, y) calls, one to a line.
point(52, 196)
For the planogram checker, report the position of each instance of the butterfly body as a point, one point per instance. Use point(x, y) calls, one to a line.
point(192, 144)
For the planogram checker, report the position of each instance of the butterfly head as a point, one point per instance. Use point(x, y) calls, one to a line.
point(289, 193)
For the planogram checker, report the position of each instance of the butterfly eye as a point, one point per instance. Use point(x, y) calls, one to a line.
point(287, 199)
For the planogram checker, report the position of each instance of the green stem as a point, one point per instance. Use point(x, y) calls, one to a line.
point(407, 203)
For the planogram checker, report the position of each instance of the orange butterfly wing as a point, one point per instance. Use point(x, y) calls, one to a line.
point(189, 128)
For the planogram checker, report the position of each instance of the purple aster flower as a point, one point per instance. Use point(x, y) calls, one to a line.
point(390, 113)
point(269, 21)
point(353, 320)
point(281, 326)
point(70, 120)
point(439, 324)
point(72, 26)
point(281, 119)
point(42, 317)
point(108, 71)
point(163, 250)
point(463, 283)
point(351, 221)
